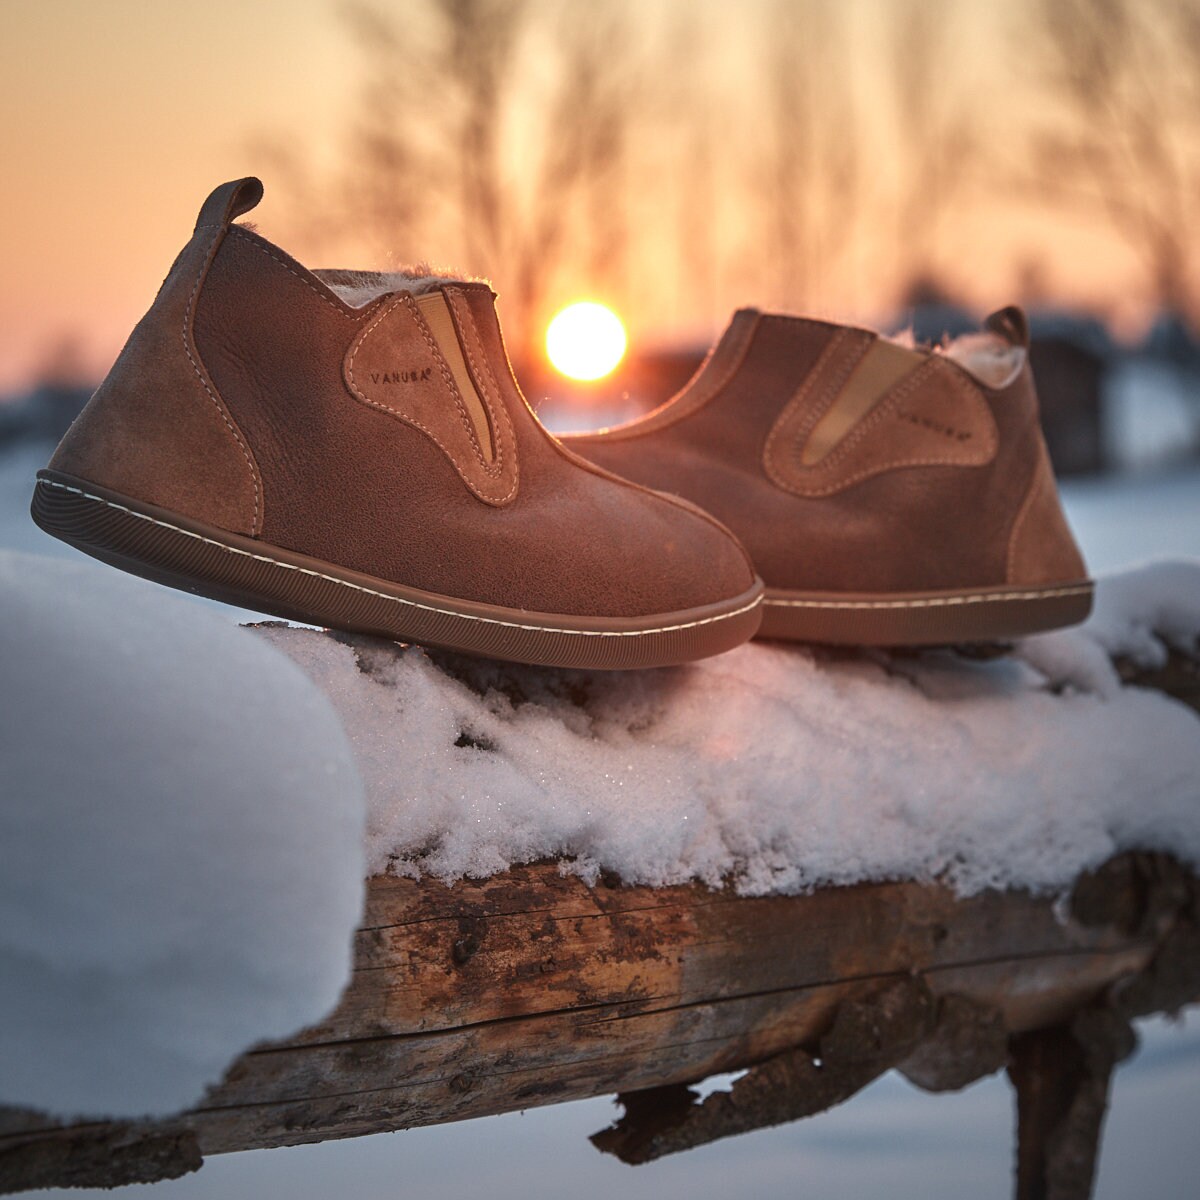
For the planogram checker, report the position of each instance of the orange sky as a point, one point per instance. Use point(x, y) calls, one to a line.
point(120, 115)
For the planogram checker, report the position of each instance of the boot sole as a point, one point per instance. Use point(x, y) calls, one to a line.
point(993, 614)
point(181, 553)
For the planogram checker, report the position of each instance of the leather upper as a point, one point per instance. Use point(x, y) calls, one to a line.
point(939, 481)
point(251, 397)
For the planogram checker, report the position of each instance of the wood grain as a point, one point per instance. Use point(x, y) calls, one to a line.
point(532, 988)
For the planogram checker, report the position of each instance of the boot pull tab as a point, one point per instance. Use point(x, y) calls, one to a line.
point(1010, 323)
point(229, 201)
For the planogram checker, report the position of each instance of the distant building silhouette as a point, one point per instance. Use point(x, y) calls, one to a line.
point(1071, 355)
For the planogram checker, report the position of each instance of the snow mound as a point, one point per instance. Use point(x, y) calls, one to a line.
point(181, 863)
point(779, 768)
point(1140, 615)
point(1141, 612)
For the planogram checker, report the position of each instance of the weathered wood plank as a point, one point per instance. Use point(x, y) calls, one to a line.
point(493, 955)
point(532, 988)
point(336, 1090)
point(1061, 1069)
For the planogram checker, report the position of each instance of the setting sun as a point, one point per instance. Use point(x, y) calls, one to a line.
point(585, 340)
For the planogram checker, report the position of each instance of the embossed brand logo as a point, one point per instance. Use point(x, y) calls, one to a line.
point(412, 376)
point(946, 431)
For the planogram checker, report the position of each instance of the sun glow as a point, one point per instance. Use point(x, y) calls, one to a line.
point(585, 340)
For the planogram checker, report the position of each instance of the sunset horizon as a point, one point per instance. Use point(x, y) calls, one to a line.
point(123, 116)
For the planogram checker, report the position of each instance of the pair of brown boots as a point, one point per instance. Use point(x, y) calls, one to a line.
point(351, 449)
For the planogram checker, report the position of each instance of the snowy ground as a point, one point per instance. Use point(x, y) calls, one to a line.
point(1149, 412)
point(1001, 780)
point(1133, 519)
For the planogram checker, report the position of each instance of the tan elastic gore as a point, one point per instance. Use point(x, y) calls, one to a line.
point(441, 324)
point(883, 365)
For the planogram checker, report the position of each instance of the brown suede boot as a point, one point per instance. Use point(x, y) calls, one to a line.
point(887, 495)
point(264, 440)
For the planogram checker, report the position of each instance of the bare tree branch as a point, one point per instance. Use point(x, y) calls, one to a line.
point(1122, 78)
point(937, 130)
point(814, 149)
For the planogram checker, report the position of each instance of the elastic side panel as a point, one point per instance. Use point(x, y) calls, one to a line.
point(884, 365)
point(441, 324)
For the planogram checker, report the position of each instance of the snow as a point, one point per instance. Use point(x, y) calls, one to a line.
point(1142, 612)
point(182, 838)
point(181, 863)
point(1149, 414)
point(781, 768)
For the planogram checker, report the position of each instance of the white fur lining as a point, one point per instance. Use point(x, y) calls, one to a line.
point(988, 357)
point(359, 288)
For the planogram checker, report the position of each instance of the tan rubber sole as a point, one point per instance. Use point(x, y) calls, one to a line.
point(995, 614)
point(181, 553)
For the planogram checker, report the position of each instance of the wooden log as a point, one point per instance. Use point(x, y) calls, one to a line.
point(1061, 1073)
point(1062, 1080)
point(1178, 676)
point(532, 988)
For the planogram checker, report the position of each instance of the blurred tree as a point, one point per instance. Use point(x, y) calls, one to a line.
point(507, 119)
point(700, 144)
point(936, 126)
point(1121, 129)
point(786, 152)
point(813, 153)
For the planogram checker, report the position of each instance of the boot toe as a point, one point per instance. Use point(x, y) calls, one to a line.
point(701, 562)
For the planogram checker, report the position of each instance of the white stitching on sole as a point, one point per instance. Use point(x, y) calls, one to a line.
point(1082, 589)
point(448, 612)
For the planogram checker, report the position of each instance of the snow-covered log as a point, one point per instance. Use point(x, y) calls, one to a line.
point(818, 867)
